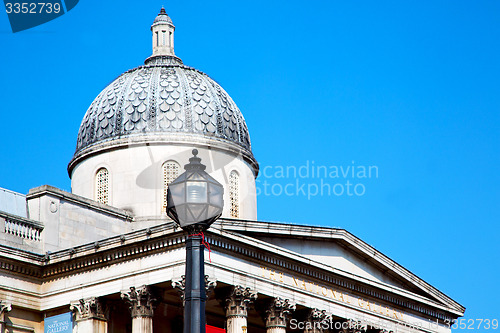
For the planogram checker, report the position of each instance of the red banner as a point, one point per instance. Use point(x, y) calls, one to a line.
point(213, 329)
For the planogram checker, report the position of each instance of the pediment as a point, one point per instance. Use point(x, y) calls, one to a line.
point(341, 252)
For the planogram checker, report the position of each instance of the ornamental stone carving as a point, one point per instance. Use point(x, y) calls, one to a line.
point(179, 284)
point(318, 321)
point(353, 326)
point(88, 308)
point(5, 307)
point(237, 300)
point(164, 96)
point(278, 313)
point(210, 285)
point(141, 301)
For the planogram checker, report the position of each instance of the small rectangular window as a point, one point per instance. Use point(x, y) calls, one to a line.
point(157, 40)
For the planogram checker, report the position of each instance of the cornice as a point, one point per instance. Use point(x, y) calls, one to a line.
point(79, 200)
point(167, 237)
point(349, 240)
point(291, 262)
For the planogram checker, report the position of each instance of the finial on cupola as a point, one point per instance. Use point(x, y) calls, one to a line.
point(163, 35)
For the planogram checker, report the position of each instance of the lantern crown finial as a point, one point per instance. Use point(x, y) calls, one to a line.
point(194, 162)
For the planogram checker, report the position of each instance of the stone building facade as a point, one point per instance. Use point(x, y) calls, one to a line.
point(107, 258)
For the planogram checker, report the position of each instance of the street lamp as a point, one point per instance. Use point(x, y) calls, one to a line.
point(194, 202)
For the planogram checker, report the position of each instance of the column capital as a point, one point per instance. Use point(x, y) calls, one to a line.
point(210, 284)
point(278, 312)
point(179, 284)
point(141, 301)
point(317, 319)
point(5, 307)
point(88, 308)
point(237, 300)
point(353, 326)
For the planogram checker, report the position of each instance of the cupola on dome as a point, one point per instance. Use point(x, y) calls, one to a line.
point(162, 101)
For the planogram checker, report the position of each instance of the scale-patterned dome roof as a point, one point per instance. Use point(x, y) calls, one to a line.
point(162, 101)
point(163, 96)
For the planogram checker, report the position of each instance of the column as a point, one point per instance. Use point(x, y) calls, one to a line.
point(318, 321)
point(4, 307)
point(141, 304)
point(89, 316)
point(179, 284)
point(236, 302)
point(277, 315)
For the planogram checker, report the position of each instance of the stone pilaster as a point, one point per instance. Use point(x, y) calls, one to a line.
point(277, 315)
point(141, 304)
point(318, 321)
point(236, 301)
point(89, 316)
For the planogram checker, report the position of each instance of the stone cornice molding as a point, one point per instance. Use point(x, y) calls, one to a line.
point(353, 242)
point(166, 238)
point(79, 200)
point(179, 139)
point(289, 261)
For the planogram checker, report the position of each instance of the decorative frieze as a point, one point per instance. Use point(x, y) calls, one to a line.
point(141, 301)
point(88, 308)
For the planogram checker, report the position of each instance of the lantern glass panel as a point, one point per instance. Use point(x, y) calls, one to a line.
point(197, 212)
point(177, 192)
point(216, 195)
point(196, 192)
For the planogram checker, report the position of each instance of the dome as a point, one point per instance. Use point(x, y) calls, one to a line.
point(163, 17)
point(162, 101)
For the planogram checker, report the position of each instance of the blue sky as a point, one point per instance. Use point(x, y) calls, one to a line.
point(411, 87)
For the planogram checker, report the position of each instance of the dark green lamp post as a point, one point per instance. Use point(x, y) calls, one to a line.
point(194, 202)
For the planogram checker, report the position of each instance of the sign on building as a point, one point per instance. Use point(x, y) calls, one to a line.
point(62, 323)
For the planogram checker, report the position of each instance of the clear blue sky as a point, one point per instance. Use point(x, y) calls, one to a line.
point(411, 87)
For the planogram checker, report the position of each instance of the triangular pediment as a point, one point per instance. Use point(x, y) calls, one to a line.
point(341, 252)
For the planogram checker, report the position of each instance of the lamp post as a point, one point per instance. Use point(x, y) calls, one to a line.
point(194, 202)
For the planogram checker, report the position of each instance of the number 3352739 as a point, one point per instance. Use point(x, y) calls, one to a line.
point(32, 7)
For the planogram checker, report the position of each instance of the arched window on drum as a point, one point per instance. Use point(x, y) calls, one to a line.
point(102, 186)
point(170, 170)
point(234, 194)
